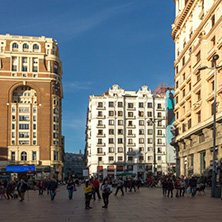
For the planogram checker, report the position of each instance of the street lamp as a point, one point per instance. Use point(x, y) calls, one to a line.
point(215, 58)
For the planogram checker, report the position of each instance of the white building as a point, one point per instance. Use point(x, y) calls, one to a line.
point(119, 134)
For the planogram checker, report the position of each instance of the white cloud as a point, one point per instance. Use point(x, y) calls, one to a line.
point(77, 85)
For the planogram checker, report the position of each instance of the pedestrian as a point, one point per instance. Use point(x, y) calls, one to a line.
point(119, 187)
point(10, 190)
point(170, 188)
point(164, 187)
point(88, 189)
point(177, 186)
point(2, 192)
point(52, 188)
point(96, 189)
point(126, 184)
point(182, 187)
point(193, 184)
point(41, 186)
point(70, 187)
point(138, 183)
point(106, 191)
point(21, 188)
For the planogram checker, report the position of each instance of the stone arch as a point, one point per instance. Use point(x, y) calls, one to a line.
point(31, 85)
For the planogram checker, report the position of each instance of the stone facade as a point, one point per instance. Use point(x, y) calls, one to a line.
point(197, 32)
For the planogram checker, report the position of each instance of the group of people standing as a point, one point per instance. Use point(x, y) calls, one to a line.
point(181, 185)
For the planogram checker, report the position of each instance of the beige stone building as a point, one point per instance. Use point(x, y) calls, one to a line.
point(197, 32)
point(30, 104)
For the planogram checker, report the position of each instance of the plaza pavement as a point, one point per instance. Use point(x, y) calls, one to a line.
point(144, 205)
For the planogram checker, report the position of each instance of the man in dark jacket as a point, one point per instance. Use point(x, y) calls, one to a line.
point(52, 188)
point(193, 184)
point(22, 187)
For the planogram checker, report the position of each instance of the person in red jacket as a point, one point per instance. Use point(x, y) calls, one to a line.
point(96, 189)
point(41, 186)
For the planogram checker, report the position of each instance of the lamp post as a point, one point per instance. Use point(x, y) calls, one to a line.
point(215, 58)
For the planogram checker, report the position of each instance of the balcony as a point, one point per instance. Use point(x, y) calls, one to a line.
point(131, 144)
point(131, 108)
point(161, 135)
point(131, 126)
point(100, 126)
point(101, 135)
point(131, 135)
point(101, 117)
point(100, 107)
point(101, 144)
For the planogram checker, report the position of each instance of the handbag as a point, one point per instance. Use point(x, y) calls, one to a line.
point(74, 188)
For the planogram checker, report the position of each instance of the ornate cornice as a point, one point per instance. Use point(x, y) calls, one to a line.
point(180, 19)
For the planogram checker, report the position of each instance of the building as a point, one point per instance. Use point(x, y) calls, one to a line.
point(168, 92)
point(120, 133)
point(73, 164)
point(197, 32)
point(30, 104)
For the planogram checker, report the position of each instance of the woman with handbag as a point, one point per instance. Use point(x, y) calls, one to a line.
point(70, 187)
point(88, 188)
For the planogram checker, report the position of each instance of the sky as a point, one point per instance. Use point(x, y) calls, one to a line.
point(101, 43)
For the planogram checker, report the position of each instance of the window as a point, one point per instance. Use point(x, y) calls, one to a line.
point(130, 132)
point(149, 114)
point(13, 134)
point(213, 41)
point(176, 99)
point(140, 105)
point(212, 109)
point(130, 105)
point(56, 156)
point(149, 158)
point(35, 64)
point(177, 69)
point(100, 132)
point(183, 60)
point(159, 123)
point(159, 141)
point(120, 140)
point(35, 47)
point(120, 122)
point(159, 158)
point(34, 134)
point(159, 132)
point(99, 150)
point(120, 158)
point(198, 76)
point(150, 132)
point(184, 92)
point(150, 141)
point(111, 150)
point(183, 127)
point(130, 114)
point(198, 95)
point(159, 106)
point(100, 141)
point(149, 105)
point(141, 149)
point(14, 46)
point(111, 113)
point(212, 85)
point(24, 126)
point(100, 159)
point(14, 64)
point(141, 158)
point(111, 140)
point(141, 131)
point(13, 126)
point(111, 122)
point(120, 131)
point(213, 21)
point(100, 122)
point(177, 84)
point(120, 150)
point(23, 156)
point(190, 86)
point(25, 46)
point(23, 134)
point(198, 56)
point(149, 123)
point(55, 135)
point(159, 114)
point(130, 141)
point(34, 126)
point(120, 113)
point(130, 123)
point(199, 117)
point(141, 122)
point(159, 150)
point(12, 156)
point(34, 155)
point(111, 158)
point(141, 140)
point(34, 118)
point(120, 104)
point(111, 104)
point(140, 113)
point(100, 104)
point(130, 158)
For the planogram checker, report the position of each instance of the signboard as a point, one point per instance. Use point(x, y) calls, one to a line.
point(19, 168)
point(85, 173)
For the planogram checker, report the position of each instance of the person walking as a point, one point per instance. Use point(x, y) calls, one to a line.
point(170, 187)
point(70, 187)
point(126, 184)
point(41, 186)
point(177, 187)
point(164, 187)
point(52, 188)
point(96, 189)
point(119, 187)
point(88, 189)
point(22, 187)
point(106, 191)
point(182, 187)
point(10, 189)
point(193, 184)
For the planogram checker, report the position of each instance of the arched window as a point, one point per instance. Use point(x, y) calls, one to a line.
point(24, 156)
point(35, 47)
point(15, 46)
point(25, 46)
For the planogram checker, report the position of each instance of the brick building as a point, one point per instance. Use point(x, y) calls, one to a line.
point(30, 103)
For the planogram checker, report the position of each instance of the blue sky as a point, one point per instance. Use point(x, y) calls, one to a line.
point(102, 42)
